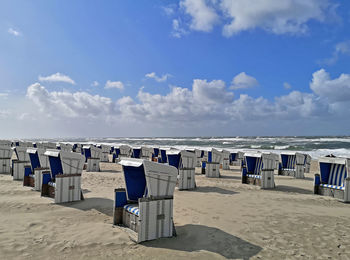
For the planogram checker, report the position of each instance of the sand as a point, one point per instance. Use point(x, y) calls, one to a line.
point(221, 219)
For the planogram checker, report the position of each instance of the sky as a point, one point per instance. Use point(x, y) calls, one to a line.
point(174, 68)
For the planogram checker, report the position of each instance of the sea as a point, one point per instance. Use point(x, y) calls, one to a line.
point(316, 146)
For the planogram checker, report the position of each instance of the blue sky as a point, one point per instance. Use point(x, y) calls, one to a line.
point(164, 68)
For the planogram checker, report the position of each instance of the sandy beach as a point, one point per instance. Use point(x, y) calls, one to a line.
point(221, 219)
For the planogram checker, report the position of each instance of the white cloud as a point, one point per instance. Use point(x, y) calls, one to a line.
point(57, 77)
point(13, 32)
point(204, 17)
point(114, 84)
point(4, 95)
point(178, 30)
point(168, 10)
point(95, 84)
point(243, 81)
point(67, 104)
point(341, 48)
point(335, 90)
point(154, 76)
point(286, 85)
point(211, 92)
point(278, 17)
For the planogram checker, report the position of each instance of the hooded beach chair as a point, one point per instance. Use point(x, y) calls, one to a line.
point(5, 158)
point(39, 164)
point(237, 159)
point(21, 161)
point(187, 174)
point(333, 179)
point(65, 147)
point(146, 205)
point(225, 160)
point(147, 153)
point(259, 170)
point(78, 148)
point(63, 182)
point(211, 167)
point(125, 151)
point(198, 154)
point(5, 143)
point(92, 158)
point(292, 164)
point(105, 151)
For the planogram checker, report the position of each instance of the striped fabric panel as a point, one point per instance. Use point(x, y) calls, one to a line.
point(254, 176)
point(132, 209)
point(291, 162)
point(333, 186)
point(337, 174)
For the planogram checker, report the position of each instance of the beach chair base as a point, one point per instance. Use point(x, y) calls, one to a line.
point(66, 188)
point(198, 162)
point(93, 165)
point(187, 179)
point(212, 170)
point(5, 167)
point(148, 219)
point(18, 169)
point(226, 164)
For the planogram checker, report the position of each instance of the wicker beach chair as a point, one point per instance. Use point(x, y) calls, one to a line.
point(92, 158)
point(333, 179)
point(145, 207)
point(39, 164)
point(292, 164)
point(5, 158)
point(63, 182)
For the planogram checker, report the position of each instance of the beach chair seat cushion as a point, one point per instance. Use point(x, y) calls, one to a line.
point(254, 176)
point(52, 184)
point(132, 208)
point(333, 186)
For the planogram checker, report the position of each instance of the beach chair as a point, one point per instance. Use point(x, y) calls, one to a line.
point(5, 158)
point(147, 153)
point(146, 205)
point(39, 164)
point(237, 159)
point(105, 151)
point(186, 177)
point(21, 161)
point(333, 179)
point(65, 147)
point(259, 170)
point(78, 148)
point(5, 143)
point(198, 154)
point(292, 164)
point(211, 166)
point(307, 163)
point(225, 160)
point(92, 158)
point(63, 182)
point(125, 151)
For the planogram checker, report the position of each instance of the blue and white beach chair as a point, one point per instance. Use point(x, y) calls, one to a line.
point(333, 179)
point(18, 164)
point(292, 164)
point(39, 164)
point(92, 158)
point(187, 170)
point(105, 151)
point(147, 153)
point(211, 166)
point(63, 182)
point(5, 158)
point(259, 170)
point(146, 205)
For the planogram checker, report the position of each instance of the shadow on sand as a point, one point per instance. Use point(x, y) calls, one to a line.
point(285, 188)
point(191, 238)
point(102, 205)
point(209, 189)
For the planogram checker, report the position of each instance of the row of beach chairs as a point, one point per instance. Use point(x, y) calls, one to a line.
point(145, 206)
